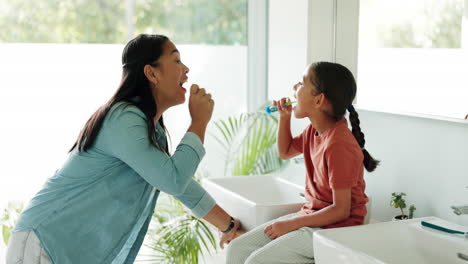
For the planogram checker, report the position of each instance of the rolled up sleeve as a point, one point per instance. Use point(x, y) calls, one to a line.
point(197, 199)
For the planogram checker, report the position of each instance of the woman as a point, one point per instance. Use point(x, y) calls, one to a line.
point(97, 207)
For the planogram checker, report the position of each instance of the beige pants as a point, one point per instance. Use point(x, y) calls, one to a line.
point(254, 247)
point(25, 248)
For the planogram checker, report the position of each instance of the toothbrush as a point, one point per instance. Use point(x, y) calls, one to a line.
point(270, 109)
point(443, 229)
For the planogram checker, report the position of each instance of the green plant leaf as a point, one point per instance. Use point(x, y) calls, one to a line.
point(258, 144)
point(181, 238)
point(6, 232)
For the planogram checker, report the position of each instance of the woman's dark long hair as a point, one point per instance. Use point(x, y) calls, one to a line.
point(140, 51)
point(338, 85)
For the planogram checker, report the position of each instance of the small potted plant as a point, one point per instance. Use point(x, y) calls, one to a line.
point(397, 201)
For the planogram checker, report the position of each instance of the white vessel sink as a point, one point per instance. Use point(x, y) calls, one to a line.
point(255, 199)
point(391, 242)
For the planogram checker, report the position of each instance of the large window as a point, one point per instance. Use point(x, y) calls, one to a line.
point(60, 61)
point(413, 56)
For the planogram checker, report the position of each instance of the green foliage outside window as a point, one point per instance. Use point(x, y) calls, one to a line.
point(56, 21)
point(442, 29)
point(101, 21)
point(194, 21)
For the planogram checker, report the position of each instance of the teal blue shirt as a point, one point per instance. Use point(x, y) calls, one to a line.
point(97, 207)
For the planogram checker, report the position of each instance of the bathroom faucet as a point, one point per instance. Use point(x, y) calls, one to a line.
point(460, 210)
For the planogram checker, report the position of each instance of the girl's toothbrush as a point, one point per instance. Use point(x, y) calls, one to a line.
point(270, 109)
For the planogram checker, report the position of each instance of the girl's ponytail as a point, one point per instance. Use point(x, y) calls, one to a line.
point(338, 85)
point(369, 162)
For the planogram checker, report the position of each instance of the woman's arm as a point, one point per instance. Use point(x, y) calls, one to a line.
point(201, 108)
point(198, 128)
point(203, 206)
point(125, 136)
point(222, 220)
point(218, 218)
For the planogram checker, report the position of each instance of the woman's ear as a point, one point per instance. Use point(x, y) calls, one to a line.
point(150, 73)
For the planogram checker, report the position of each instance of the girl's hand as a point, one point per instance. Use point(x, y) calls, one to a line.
point(200, 105)
point(284, 111)
point(278, 229)
point(234, 233)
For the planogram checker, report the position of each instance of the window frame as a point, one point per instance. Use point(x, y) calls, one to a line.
point(257, 54)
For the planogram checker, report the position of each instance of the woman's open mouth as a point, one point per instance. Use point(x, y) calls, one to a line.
point(182, 83)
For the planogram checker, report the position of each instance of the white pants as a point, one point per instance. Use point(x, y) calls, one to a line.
point(254, 247)
point(25, 248)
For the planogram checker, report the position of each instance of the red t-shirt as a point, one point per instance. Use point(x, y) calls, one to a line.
point(333, 160)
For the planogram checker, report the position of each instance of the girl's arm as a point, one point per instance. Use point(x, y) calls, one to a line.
point(284, 139)
point(338, 211)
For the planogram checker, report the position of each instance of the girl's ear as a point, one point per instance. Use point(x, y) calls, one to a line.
point(150, 73)
point(320, 100)
point(323, 103)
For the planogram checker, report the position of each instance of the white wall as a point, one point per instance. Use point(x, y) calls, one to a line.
point(425, 158)
point(287, 46)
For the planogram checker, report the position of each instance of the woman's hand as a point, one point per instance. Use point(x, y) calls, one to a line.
point(284, 111)
point(278, 229)
point(200, 105)
point(234, 233)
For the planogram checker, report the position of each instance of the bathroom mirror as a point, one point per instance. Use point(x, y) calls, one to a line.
point(413, 57)
point(408, 57)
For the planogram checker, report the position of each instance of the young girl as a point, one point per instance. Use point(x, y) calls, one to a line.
point(334, 158)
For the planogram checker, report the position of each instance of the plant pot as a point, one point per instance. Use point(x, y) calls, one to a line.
point(400, 217)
